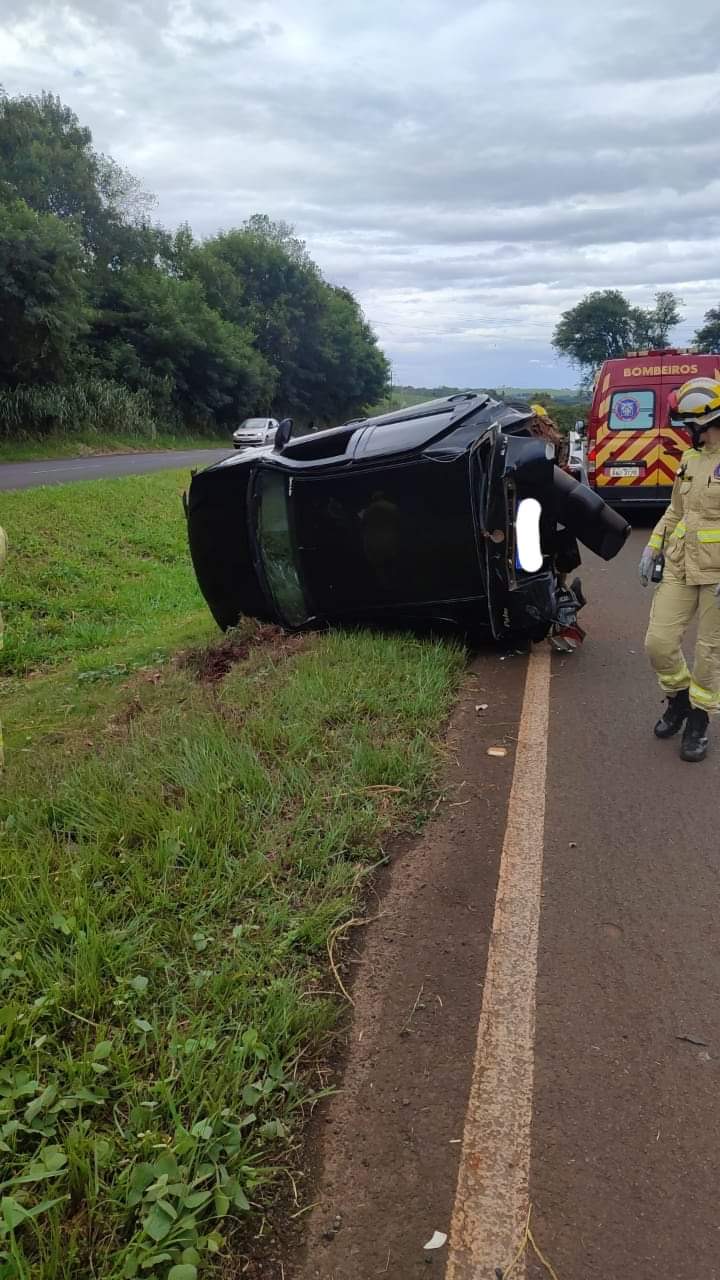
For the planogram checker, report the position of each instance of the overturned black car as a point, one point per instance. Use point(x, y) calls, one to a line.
point(451, 511)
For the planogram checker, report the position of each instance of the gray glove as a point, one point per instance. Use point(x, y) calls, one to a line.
point(645, 568)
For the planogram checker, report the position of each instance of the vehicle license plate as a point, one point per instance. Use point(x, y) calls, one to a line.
point(616, 473)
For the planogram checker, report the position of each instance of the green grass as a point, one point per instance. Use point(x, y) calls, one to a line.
point(88, 444)
point(94, 565)
point(174, 858)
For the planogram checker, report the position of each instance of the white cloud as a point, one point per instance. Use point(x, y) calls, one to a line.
point(469, 169)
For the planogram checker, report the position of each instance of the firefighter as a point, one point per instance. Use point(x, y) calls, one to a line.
point(688, 536)
point(544, 426)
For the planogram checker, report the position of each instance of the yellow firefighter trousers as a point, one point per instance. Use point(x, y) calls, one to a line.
point(674, 607)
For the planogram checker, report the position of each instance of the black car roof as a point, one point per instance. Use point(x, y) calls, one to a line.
point(456, 419)
point(460, 405)
point(450, 424)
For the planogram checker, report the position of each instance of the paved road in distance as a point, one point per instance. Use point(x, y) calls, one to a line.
point(27, 475)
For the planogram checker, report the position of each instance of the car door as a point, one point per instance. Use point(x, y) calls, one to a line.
point(396, 537)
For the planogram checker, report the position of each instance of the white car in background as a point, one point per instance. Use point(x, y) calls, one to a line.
point(576, 463)
point(255, 431)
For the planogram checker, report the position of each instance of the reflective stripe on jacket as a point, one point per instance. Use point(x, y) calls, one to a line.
point(689, 531)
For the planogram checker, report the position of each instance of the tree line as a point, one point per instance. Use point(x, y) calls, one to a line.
point(109, 319)
point(604, 325)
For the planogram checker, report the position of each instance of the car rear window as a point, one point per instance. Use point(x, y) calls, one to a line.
point(632, 410)
point(396, 437)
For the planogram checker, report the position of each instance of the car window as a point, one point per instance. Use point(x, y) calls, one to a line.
point(632, 410)
point(277, 548)
point(319, 445)
point(410, 433)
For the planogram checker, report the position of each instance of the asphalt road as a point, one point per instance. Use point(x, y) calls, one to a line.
point(616, 1142)
point(626, 1117)
point(27, 475)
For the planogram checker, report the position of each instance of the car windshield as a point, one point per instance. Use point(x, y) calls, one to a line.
point(254, 424)
point(277, 549)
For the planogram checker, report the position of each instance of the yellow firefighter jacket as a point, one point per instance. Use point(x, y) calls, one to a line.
point(689, 531)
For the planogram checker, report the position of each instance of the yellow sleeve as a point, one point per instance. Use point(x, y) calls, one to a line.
point(671, 517)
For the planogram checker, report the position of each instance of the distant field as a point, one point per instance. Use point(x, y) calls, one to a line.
point(566, 402)
point(404, 397)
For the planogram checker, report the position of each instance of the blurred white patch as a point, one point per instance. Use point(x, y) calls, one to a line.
point(527, 534)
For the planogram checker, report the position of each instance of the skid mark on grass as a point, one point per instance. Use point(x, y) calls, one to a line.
point(212, 663)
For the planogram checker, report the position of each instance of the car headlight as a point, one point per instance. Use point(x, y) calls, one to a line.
point(527, 535)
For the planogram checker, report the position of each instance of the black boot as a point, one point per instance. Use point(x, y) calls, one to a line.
point(695, 738)
point(676, 713)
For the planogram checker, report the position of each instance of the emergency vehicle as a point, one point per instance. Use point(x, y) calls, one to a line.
point(633, 450)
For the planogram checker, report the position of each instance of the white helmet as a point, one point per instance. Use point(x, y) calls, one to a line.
point(697, 401)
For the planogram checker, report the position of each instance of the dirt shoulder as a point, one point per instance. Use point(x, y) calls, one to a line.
point(384, 1150)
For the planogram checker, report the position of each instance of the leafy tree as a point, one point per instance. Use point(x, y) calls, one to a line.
point(351, 370)
point(596, 329)
point(47, 158)
point(280, 234)
point(707, 337)
point(327, 358)
point(603, 326)
point(253, 277)
point(91, 289)
point(651, 327)
point(42, 306)
point(180, 251)
point(157, 332)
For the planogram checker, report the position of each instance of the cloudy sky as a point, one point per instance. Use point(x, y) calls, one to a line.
point(468, 167)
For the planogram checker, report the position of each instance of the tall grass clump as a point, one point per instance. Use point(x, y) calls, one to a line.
point(93, 406)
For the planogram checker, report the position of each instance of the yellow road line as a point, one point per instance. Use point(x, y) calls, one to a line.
point(491, 1200)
